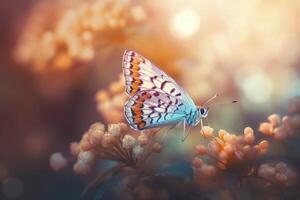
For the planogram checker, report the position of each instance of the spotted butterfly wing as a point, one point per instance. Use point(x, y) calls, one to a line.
point(150, 108)
point(156, 99)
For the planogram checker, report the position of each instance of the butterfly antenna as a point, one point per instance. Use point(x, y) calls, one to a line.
point(224, 103)
point(210, 100)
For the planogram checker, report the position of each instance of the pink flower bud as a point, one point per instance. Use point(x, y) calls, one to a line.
point(274, 119)
point(95, 140)
point(264, 145)
point(114, 129)
point(86, 156)
point(107, 140)
point(58, 161)
point(128, 141)
point(220, 142)
point(222, 133)
point(102, 96)
point(223, 155)
point(207, 131)
point(249, 138)
point(197, 162)
point(248, 130)
point(74, 148)
point(97, 127)
point(229, 138)
point(81, 167)
point(280, 133)
point(284, 119)
point(85, 136)
point(85, 145)
point(138, 151)
point(246, 149)
point(200, 149)
point(214, 147)
point(266, 128)
point(96, 133)
point(228, 148)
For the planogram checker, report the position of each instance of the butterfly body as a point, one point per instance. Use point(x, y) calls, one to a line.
point(156, 99)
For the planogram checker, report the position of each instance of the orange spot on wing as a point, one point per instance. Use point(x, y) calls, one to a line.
point(137, 80)
point(141, 125)
point(136, 107)
point(134, 90)
point(135, 84)
point(136, 61)
point(138, 120)
point(135, 74)
point(135, 67)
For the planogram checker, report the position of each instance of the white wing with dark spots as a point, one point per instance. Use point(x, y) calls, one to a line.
point(150, 108)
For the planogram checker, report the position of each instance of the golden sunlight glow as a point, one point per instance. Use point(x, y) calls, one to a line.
point(257, 88)
point(185, 23)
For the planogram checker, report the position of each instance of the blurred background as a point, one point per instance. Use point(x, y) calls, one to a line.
point(55, 56)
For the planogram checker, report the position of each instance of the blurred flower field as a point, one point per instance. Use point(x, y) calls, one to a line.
point(63, 131)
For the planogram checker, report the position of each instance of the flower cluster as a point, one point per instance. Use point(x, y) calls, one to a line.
point(116, 143)
point(276, 127)
point(278, 173)
point(110, 102)
point(74, 32)
point(228, 150)
point(281, 128)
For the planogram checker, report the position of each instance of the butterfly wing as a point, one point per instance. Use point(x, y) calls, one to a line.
point(140, 74)
point(151, 108)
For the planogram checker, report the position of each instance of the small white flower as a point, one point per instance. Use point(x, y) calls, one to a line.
point(128, 141)
point(81, 167)
point(86, 156)
point(114, 129)
point(138, 151)
point(97, 127)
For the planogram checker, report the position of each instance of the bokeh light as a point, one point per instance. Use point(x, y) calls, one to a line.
point(36, 145)
point(257, 88)
point(185, 23)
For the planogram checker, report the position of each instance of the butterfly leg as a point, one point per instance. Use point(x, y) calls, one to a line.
point(185, 133)
point(201, 126)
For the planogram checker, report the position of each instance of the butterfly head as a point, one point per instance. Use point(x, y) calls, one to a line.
point(197, 116)
point(203, 112)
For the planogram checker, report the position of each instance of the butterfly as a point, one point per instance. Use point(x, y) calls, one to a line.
point(155, 98)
